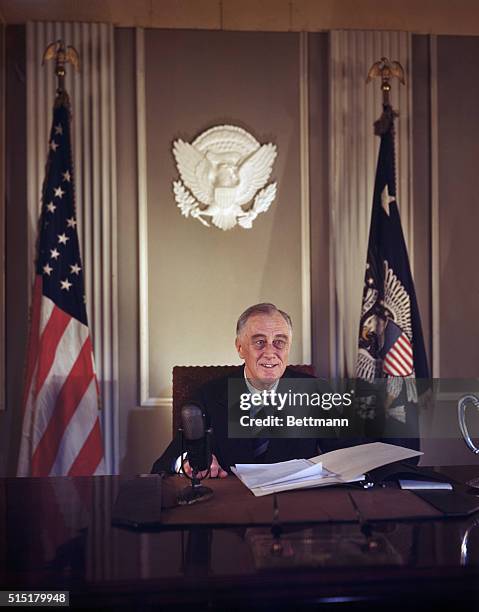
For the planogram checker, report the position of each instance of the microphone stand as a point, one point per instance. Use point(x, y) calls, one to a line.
point(197, 492)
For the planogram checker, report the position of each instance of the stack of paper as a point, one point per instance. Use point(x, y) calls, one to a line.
point(337, 467)
point(265, 474)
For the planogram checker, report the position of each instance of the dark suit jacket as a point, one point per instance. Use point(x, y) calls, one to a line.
point(213, 397)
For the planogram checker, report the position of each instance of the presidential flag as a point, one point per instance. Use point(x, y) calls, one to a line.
point(61, 433)
point(391, 343)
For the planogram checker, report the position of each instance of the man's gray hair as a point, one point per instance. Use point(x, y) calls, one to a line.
point(264, 308)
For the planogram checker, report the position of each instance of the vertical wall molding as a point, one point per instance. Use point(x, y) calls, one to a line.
point(435, 262)
point(353, 148)
point(92, 94)
point(142, 215)
point(305, 198)
point(145, 399)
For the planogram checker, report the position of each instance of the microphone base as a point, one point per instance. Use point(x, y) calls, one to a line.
point(192, 495)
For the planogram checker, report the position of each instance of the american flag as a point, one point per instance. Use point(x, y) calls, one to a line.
point(397, 352)
point(61, 432)
point(391, 344)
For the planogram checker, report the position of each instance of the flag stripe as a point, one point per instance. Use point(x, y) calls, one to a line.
point(396, 355)
point(46, 308)
point(90, 455)
point(405, 344)
point(393, 368)
point(393, 358)
point(100, 469)
point(51, 336)
point(66, 355)
point(402, 355)
point(390, 368)
point(76, 432)
point(70, 395)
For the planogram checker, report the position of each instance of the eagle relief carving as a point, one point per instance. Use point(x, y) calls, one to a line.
point(224, 174)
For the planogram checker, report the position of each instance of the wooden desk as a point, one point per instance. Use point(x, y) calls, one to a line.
point(56, 533)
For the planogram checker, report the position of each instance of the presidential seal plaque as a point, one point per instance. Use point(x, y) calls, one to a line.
point(224, 174)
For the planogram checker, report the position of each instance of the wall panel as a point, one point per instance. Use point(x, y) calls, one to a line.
point(200, 279)
point(458, 155)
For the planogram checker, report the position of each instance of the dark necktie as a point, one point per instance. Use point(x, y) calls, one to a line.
point(260, 446)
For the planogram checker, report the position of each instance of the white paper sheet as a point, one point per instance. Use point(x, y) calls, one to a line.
point(355, 460)
point(258, 474)
point(336, 467)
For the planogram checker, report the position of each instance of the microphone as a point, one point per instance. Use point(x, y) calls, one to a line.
point(195, 438)
point(196, 441)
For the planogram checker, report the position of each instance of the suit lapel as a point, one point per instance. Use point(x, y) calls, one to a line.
point(233, 450)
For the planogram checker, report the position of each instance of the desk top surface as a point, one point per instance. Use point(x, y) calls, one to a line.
point(57, 533)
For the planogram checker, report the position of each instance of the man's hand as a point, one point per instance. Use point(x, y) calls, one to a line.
point(216, 471)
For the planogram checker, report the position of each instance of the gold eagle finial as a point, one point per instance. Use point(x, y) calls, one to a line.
point(62, 55)
point(386, 70)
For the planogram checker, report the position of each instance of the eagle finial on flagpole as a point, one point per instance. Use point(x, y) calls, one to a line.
point(386, 70)
point(62, 55)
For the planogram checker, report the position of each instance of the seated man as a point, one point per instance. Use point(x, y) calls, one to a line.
point(263, 341)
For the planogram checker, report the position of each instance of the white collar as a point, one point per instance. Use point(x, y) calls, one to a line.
point(254, 390)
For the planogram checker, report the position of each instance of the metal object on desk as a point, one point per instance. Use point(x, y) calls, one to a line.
point(465, 544)
point(368, 482)
point(461, 415)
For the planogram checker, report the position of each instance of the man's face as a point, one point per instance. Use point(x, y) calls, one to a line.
point(264, 344)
